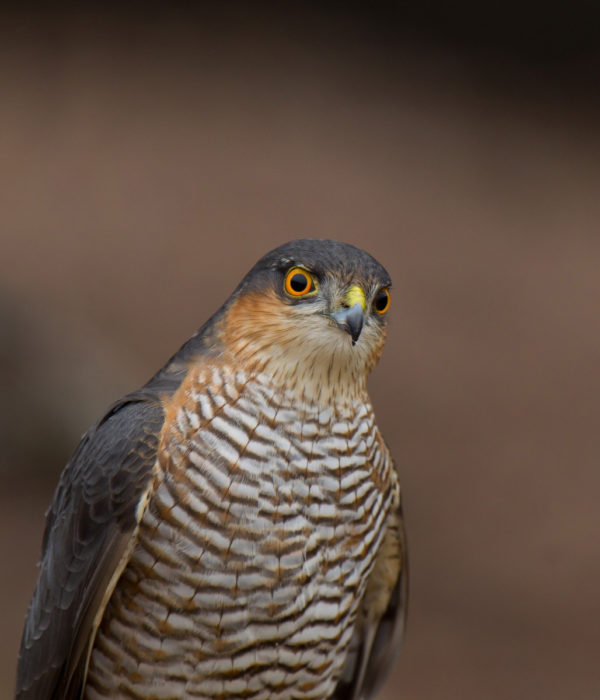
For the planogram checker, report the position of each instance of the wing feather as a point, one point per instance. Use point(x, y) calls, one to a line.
point(90, 533)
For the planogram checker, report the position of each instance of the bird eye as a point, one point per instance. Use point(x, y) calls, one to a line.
point(381, 302)
point(298, 282)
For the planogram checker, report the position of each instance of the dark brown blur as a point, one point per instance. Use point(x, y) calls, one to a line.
point(147, 159)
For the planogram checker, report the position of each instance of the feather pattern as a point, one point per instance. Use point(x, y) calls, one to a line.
point(255, 551)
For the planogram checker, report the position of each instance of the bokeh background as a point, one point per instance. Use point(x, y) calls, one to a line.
point(149, 155)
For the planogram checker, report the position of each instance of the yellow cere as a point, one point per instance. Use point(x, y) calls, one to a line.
point(355, 295)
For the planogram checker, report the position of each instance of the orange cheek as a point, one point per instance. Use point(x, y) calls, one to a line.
point(257, 317)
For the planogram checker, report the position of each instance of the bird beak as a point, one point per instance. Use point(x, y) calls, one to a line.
point(351, 316)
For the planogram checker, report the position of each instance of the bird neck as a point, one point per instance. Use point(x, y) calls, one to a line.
point(325, 368)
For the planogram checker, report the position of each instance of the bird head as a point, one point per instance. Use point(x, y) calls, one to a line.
point(312, 314)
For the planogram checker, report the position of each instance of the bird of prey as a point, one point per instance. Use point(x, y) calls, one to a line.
point(233, 529)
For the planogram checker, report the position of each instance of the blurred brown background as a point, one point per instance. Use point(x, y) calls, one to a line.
point(149, 156)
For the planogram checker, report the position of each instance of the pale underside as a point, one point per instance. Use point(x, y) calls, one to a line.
point(254, 552)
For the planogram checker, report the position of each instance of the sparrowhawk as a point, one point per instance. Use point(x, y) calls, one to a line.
point(233, 529)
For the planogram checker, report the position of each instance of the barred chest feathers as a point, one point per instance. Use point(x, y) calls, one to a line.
point(254, 551)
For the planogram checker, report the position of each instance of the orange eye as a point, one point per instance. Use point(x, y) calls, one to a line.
point(298, 282)
point(381, 303)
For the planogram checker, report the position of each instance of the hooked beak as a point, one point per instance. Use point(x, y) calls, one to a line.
point(351, 318)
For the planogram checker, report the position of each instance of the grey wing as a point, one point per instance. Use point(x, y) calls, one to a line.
point(381, 618)
point(88, 538)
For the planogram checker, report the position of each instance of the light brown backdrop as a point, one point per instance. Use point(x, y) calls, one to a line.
point(147, 163)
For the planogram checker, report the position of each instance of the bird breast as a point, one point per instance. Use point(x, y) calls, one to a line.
point(255, 548)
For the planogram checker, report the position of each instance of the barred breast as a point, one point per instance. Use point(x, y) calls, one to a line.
point(254, 550)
